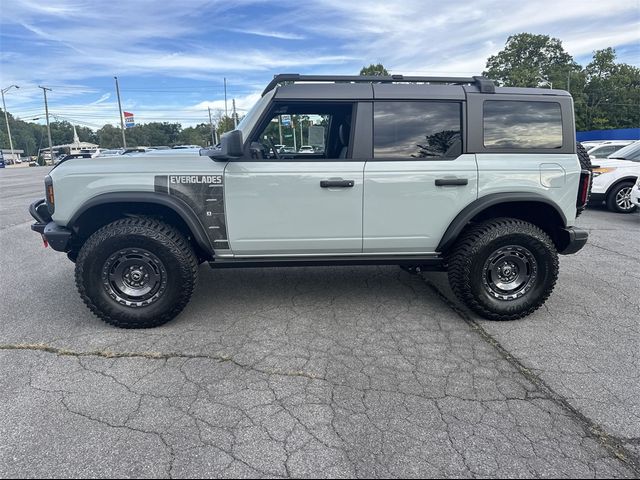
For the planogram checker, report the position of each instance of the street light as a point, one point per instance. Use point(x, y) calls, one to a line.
point(6, 117)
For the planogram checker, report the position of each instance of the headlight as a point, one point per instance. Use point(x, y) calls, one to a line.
point(600, 170)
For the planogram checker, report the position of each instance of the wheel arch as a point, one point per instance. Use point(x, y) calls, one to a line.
point(530, 207)
point(105, 208)
point(628, 178)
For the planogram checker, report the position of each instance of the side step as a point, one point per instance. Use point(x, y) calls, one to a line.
point(430, 263)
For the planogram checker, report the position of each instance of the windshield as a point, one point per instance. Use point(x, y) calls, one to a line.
point(251, 118)
point(630, 152)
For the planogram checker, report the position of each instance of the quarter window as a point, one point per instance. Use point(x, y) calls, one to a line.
point(522, 125)
point(427, 130)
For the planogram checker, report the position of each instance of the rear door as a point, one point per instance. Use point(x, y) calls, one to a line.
point(418, 178)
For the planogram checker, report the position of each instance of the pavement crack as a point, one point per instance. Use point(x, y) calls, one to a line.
point(614, 445)
point(64, 352)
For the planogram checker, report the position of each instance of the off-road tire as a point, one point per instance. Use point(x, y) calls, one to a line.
point(585, 164)
point(176, 266)
point(468, 260)
point(612, 200)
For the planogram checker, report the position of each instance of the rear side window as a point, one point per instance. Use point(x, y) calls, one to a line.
point(522, 125)
point(427, 130)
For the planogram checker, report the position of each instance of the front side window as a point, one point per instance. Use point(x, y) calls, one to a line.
point(409, 129)
point(305, 131)
point(522, 125)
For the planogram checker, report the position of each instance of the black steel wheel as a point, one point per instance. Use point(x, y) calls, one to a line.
point(134, 277)
point(136, 273)
point(509, 272)
point(503, 269)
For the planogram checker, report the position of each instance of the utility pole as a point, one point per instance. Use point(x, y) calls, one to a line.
point(235, 115)
point(226, 112)
point(4, 107)
point(46, 111)
point(293, 130)
point(301, 139)
point(213, 132)
point(124, 138)
point(280, 129)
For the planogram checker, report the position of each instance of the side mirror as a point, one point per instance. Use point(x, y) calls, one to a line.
point(233, 142)
point(230, 147)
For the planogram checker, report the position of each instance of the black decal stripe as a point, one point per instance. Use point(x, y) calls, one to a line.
point(205, 199)
point(161, 184)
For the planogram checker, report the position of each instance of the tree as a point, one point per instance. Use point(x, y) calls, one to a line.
point(198, 135)
point(529, 60)
point(375, 70)
point(109, 137)
point(612, 93)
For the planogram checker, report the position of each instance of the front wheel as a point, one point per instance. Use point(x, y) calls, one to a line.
point(136, 273)
point(619, 199)
point(503, 269)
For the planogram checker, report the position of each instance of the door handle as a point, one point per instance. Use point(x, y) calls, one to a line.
point(337, 183)
point(441, 182)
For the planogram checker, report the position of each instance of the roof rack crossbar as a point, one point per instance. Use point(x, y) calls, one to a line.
point(485, 85)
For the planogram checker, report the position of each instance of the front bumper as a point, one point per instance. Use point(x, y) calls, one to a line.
point(52, 233)
point(572, 240)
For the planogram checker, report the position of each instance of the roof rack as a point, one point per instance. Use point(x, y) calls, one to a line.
point(484, 84)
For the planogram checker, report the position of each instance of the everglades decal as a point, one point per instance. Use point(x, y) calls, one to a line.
point(212, 179)
point(205, 195)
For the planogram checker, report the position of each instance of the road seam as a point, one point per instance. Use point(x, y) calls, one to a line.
point(614, 445)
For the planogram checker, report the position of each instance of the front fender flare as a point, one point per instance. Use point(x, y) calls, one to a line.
point(183, 210)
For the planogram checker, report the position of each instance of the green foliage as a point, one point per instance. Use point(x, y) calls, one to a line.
point(606, 94)
point(374, 69)
point(528, 60)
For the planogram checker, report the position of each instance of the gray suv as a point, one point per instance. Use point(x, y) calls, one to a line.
point(428, 173)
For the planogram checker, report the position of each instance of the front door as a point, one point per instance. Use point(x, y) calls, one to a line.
point(300, 193)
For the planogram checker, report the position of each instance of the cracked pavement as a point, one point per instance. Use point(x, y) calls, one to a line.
point(318, 372)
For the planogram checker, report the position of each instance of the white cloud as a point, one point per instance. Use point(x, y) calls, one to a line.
point(71, 43)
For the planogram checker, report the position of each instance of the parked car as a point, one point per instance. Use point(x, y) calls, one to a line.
point(110, 152)
point(604, 149)
point(306, 149)
point(614, 178)
point(448, 174)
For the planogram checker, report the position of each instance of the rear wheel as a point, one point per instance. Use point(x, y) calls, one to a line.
point(619, 198)
point(503, 269)
point(136, 273)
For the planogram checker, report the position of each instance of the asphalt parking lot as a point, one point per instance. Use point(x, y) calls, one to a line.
point(319, 372)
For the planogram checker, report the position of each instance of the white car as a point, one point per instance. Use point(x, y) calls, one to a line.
point(607, 148)
point(614, 179)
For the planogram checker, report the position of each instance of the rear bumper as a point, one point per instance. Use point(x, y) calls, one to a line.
point(572, 240)
point(55, 235)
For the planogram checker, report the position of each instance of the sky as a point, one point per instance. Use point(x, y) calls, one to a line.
point(171, 57)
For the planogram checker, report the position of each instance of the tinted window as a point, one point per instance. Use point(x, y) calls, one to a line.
point(417, 130)
point(511, 124)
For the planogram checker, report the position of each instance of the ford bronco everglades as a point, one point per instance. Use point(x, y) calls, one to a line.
point(428, 173)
